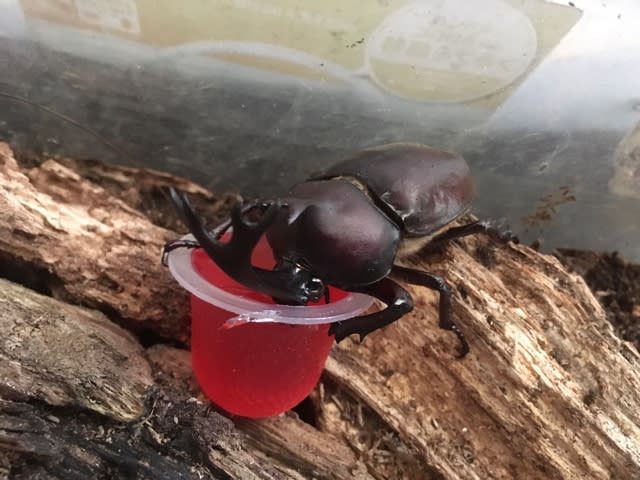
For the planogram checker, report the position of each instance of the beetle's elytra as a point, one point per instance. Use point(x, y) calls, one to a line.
point(346, 227)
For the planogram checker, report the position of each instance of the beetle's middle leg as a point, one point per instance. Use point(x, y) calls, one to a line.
point(397, 299)
point(434, 282)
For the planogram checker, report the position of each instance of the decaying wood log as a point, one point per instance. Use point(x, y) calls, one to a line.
point(548, 391)
point(90, 362)
point(91, 247)
point(57, 355)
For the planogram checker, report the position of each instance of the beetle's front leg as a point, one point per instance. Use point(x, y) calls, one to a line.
point(174, 245)
point(479, 226)
point(434, 282)
point(398, 300)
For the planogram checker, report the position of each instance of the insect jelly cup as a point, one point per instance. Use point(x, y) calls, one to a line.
point(251, 356)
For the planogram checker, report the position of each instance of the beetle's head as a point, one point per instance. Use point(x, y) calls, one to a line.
point(301, 282)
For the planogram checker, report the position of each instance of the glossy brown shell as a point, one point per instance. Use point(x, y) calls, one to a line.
point(333, 229)
point(424, 188)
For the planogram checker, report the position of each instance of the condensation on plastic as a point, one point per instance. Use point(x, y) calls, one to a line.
point(252, 311)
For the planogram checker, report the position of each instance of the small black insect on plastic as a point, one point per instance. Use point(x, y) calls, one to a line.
point(346, 228)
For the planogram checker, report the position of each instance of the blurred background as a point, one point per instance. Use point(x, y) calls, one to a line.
point(542, 98)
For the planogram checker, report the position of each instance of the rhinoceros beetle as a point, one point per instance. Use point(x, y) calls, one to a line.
point(346, 227)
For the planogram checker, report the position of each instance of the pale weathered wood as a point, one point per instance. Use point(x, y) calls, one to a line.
point(96, 249)
point(69, 356)
point(547, 392)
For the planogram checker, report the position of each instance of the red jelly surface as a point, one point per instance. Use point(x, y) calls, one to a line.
point(255, 369)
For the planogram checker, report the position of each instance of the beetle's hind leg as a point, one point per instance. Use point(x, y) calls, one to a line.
point(434, 282)
point(488, 227)
point(397, 299)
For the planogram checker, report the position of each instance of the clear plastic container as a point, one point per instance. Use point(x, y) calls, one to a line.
point(540, 96)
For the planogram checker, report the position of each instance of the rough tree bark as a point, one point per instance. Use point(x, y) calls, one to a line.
point(548, 390)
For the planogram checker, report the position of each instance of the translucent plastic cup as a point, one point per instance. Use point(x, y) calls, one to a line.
point(251, 356)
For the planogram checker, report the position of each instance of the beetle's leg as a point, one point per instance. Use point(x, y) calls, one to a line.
point(174, 245)
point(479, 226)
point(434, 282)
point(234, 256)
point(398, 300)
point(327, 296)
point(217, 232)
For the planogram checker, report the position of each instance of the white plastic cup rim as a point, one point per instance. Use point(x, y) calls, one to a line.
point(253, 311)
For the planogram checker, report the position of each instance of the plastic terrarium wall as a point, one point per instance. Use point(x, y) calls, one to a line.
point(541, 97)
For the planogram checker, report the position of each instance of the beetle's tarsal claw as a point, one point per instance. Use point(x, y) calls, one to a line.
point(499, 232)
point(435, 282)
point(336, 330)
point(174, 245)
point(464, 346)
point(503, 236)
point(342, 330)
point(513, 238)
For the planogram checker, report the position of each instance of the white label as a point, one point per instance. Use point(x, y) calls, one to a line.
point(454, 39)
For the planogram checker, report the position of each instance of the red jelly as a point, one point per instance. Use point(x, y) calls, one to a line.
point(254, 369)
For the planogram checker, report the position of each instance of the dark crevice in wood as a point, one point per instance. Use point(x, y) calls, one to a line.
point(41, 280)
point(149, 337)
point(86, 445)
point(307, 412)
point(28, 274)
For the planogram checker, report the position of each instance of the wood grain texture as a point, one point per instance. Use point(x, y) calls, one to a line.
point(94, 249)
point(548, 391)
point(65, 355)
